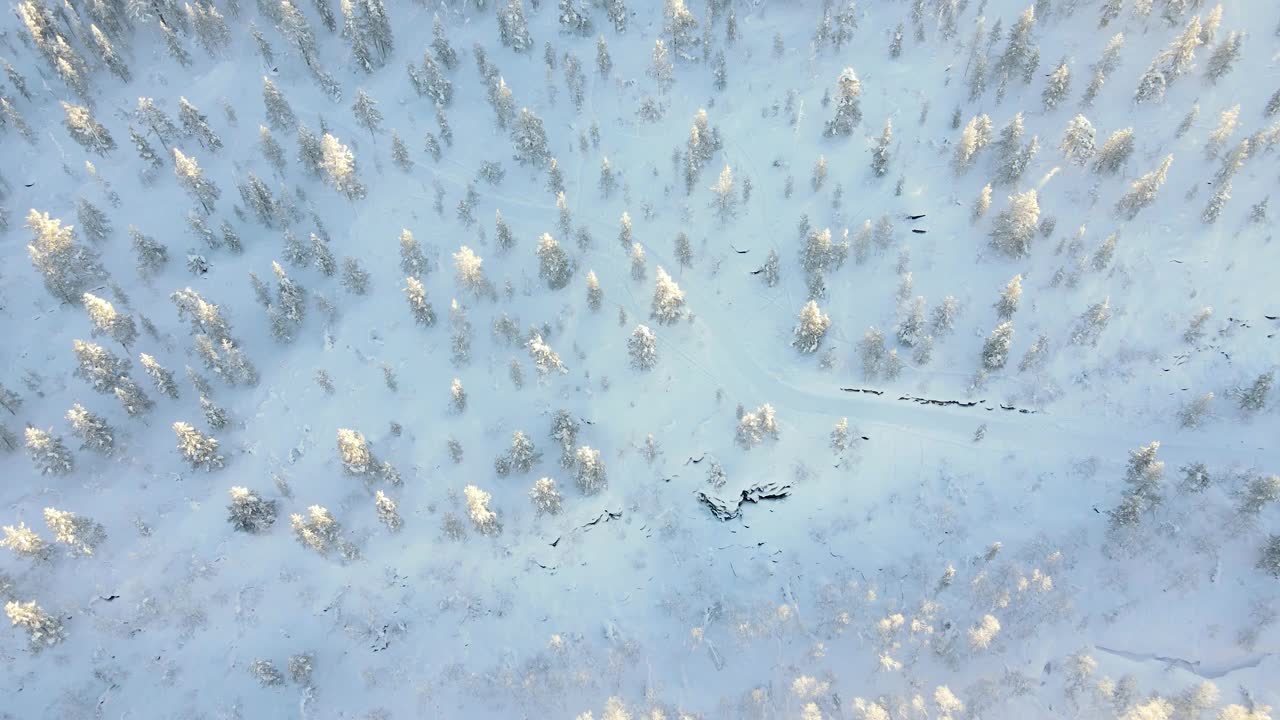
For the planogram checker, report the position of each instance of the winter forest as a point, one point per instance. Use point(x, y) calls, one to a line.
point(639, 359)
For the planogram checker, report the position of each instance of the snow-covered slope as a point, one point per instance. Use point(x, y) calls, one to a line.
point(987, 538)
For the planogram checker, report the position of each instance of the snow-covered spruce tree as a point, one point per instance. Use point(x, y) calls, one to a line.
point(67, 267)
point(469, 269)
point(637, 262)
point(192, 179)
point(545, 360)
point(445, 53)
point(1143, 191)
point(1257, 493)
point(25, 542)
point(1269, 563)
point(353, 450)
point(513, 29)
point(48, 453)
point(1078, 141)
point(871, 350)
point(811, 327)
point(911, 324)
point(338, 165)
point(981, 204)
point(196, 124)
point(529, 139)
point(1014, 158)
point(1091, 323)
point(400, 153)
point(412, 260)
point(661, 68)
point(848, 112)
point(683, 251)
point(995, 350)
point(1010, 297)
point(91, 428)
point(1195, 330)
point(160, 376)
point(819, 173)
point(80, 534)
point(279, 113)
point(132, 397)
point(198, 449)
point(106, 321)
point(973, 138)
point(93, 222)
point(841, 437)
point(1254, 398)
point(595, 296)
point(355, 279)
point(387, 512)
point(642, 347)
point(1223, 57)
point(1114, 152)
point(564, 430)
point(10, 400)
point(43, 630)
point(546, 498)
point(1014, 228)
point(416, 294)
point(319, 531)
point(99, 367)
point(484, 519)
point(554, 265)
point(726, 197)
point(589, 473)
point(366, 112)
point(205, 317)
point(265, 671)
point(1058, 86)
point(521, 456)
point(86, 131)
point(668, 299)
point(754, 427)
point(457, 396)
point(880, 153)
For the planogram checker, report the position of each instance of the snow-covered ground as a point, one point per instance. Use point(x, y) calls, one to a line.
point(982, 542)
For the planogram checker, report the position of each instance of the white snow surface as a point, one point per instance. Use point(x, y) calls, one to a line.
point(637, 593)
